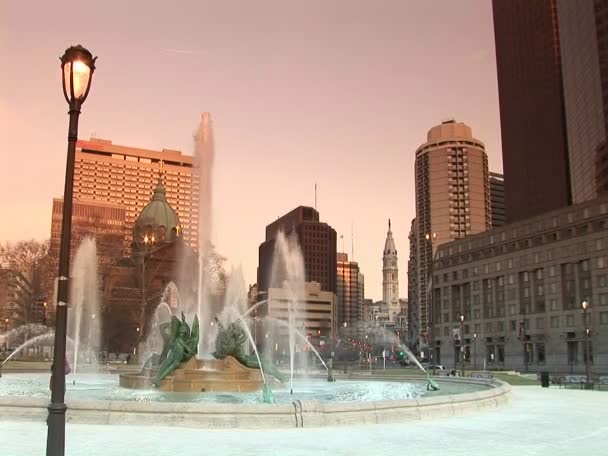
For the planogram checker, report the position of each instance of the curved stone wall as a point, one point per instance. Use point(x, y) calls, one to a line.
point(250, 416)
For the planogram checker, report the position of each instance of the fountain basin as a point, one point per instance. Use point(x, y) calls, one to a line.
point(299, 410)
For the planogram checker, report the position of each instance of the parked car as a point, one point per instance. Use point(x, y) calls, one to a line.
point(433, 366)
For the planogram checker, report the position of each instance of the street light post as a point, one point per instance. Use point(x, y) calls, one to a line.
point(462, 344)
point(585, 306)
point(474, 351)
point(44, 313)
point(77, 67)
point(431, 238)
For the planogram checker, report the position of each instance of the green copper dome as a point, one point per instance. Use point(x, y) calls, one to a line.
point(158, 221)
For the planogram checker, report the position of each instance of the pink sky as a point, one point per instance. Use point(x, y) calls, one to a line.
point(335, 92)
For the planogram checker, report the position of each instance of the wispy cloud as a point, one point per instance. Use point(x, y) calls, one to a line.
point(182, 51)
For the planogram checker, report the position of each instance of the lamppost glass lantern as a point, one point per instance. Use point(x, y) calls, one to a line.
point(77, 67)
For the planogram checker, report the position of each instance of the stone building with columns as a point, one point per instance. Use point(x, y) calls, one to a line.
point(520, 289)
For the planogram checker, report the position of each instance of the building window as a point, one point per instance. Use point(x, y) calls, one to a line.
point(489, 327)
point(553, 304)
point(539, 290)
point(603, 318)
point(540, 323)
point(603, 298)
point(585, 265)
point(601, 280)
point(555, 322)
point(569, 320)
point(601, 263)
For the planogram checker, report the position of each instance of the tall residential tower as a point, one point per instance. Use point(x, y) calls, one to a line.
point(452, 200)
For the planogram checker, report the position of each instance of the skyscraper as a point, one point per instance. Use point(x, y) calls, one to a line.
point(582, 32)
point(412, 284)
point(552, 64)
point(390, 276)
point(452, 200)
point(534, 142)
point(103, 221)
point(317, 241)
point(497, 198)
point(350, 292)
point(106, 172)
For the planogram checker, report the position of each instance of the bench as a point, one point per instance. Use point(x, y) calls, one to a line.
point(486, 375)
point(581, 380)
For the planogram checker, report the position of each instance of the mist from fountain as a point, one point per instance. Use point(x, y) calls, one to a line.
point(83, 317)
point(23, 332)
point(154, 341)
point(47, 337)
point(298, 333)
point(203, 158)
point(288, 273)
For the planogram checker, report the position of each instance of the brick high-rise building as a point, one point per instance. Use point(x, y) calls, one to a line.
point(350, 292)
point(103, 221)
point(452, 200)
point(110, 173)
point(317, 241)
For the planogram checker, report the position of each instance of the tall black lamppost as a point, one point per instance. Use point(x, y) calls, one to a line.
point(77, 67)
point(585, 306)
point(462, 344)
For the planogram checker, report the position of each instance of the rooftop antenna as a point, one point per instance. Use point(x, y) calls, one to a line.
point(161, 169)
point(315, 196)
point(352, 240)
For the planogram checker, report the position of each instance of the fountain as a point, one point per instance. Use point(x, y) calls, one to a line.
point(203, 157)
point(84, 318)
point(177, 368)
point(288, 272)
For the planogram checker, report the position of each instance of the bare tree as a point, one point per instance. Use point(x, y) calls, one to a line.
point(31, 259)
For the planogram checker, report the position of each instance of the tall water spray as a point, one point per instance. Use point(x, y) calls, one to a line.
point(288, 273)
point(203, 159)
point(84, 319)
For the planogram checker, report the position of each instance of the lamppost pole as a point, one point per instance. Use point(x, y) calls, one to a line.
point(77, 66)
point(462, 345)
point(474, 351)
point(585, 306)
point(430, 237)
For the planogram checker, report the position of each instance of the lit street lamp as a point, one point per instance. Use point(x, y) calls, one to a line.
point(44, 305)
point(585, 306)
point(77, 67)
point(430, 238)
point(462, 344)
point(475, 351)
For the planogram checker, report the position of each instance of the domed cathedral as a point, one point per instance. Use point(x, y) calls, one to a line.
point(134, 286)
point(157, 223)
